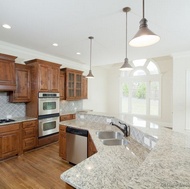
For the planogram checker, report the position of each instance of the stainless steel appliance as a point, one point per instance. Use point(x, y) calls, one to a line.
point(48, 103)
point(48, 113)
point(49, 125)
point(76, 146)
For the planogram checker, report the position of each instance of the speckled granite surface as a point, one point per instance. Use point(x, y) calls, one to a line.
point(166, 166)
point(19, 119)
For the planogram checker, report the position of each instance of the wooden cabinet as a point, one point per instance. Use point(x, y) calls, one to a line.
point(62, 141)
point(67, 117)
point(91, 147)
point(29, 134)
point(62, 86)
point(7, 72)
point(23, 86)
point(84, 87)
point(73, 84)
point(9, 140)
point(45, 75)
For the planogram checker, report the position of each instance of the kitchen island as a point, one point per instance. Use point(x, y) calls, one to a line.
point(162, 160)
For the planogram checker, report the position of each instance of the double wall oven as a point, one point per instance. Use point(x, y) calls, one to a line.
point(48, 113)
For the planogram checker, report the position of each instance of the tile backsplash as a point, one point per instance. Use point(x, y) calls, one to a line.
point(70, 106)
point(10, 109)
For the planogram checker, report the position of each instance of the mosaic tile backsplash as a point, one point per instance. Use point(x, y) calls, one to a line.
point(13, 109)
point(70, 106)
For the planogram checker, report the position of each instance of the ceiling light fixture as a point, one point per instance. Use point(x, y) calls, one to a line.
point(144, 37)
point(55, 44)
point(6, 26)
point(78, 53)
point(90, 75)
point(126, 65)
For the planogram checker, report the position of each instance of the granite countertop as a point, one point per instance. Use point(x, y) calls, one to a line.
point(133, 166)
point(18, 120)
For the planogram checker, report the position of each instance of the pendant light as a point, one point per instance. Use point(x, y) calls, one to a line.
point(126, 65)
point(90, 75)
point(144, 37)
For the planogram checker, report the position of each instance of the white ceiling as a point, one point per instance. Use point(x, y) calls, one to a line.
point(37, 24)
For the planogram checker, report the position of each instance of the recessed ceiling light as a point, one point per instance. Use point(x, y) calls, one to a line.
point(6, 26)
point(55, 44)
point(78, 53)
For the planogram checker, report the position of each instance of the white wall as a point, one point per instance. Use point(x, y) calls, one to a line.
point(181, 63)
point(97, 91)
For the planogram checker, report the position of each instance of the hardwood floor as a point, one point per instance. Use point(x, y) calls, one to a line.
point(37, 169)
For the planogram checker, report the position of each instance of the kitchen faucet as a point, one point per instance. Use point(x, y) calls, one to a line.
point(126, 129)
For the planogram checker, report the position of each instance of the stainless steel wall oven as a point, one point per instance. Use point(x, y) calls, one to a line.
point(48, 113)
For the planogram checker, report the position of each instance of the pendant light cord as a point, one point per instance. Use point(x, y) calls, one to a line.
point(90, 52)
point(126, 35)
point(143, 8)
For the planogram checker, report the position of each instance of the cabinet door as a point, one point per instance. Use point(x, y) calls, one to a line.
point(7, 72)
point(62, 142)
point(54, 80)
point(44, 78)
point(91, 147)
point(70, 85)
point(62, 88)
point(23, 86)
point(9, 144)
point(84, 87)
point(78, 86)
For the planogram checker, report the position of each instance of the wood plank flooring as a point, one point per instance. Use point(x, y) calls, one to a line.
point(37, 169)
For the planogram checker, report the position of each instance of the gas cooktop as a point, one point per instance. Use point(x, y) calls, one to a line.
point(6, 120)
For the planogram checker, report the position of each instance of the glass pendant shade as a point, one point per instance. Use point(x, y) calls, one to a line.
point(90, 75)
point(144, 37)
point(126, 66)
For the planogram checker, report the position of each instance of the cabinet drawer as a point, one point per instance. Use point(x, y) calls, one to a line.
point(29, 132)
point(67, 117)
point(29, 124)
point(9, 127)
point(29, 143)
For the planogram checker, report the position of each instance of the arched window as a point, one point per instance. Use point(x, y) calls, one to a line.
point(141, 89)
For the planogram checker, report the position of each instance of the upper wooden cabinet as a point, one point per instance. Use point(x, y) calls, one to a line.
point(45, 75)
point(7, 72)
point(73, 86)
point(23, 86)
point(62, 87)
point(84, 87)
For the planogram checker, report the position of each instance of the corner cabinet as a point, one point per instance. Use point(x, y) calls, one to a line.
point(73, 88)
point(23, 86)
point(7, 72)
point(9, 140)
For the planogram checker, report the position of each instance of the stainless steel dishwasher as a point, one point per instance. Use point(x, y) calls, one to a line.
point(76, 145)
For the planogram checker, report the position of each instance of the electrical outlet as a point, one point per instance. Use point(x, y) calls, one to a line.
point(108, 120)
point(147, 141)
point(82, 116)
point(9, 116)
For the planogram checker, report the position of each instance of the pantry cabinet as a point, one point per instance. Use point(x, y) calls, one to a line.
point(7, 72)
point(29, 134)
point(23, 84)
point(9, 140)
point(62, 141)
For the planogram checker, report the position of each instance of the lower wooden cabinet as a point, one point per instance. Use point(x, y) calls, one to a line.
point(29, 134)
point(62, 141)
point(91, 147)
point(9, 140)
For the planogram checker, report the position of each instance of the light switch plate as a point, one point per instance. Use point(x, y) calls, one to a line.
point(82, 116)
point(147, 141)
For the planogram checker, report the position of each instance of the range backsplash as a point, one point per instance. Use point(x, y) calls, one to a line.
point(10, 109)
point(70, 106)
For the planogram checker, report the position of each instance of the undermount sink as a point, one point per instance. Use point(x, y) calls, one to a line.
point(112, 138)
point(114, 142)
point(109, 135)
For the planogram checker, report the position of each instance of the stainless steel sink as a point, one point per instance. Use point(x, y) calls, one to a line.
point(114, 142)
point(109, 135)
